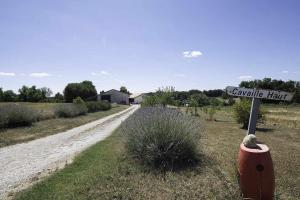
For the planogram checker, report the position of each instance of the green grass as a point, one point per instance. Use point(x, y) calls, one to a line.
point(50, 126)
point(105, 171)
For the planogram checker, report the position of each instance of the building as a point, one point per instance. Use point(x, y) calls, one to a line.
point(137, 98)
point(114, 96)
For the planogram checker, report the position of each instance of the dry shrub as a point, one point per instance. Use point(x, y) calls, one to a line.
point(162, 137)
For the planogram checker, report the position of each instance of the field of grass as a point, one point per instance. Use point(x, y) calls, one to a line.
point(105, 171)
point(50, 125)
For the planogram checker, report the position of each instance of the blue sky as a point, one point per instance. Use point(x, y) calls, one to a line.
point(192, 44)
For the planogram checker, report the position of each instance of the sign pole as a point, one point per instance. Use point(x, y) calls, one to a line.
point(253, 116)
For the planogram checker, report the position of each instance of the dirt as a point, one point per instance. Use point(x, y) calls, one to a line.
point(23, 164)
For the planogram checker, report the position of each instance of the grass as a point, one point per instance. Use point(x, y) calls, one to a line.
point(105, 171)
point(50, 126)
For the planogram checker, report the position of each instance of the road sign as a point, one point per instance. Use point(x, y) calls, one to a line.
point(256, 95)
point(259, 93)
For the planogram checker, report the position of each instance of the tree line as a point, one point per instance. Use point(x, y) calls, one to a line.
point(86, 90)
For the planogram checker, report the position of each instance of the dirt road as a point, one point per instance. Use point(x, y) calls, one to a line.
point(24, 164)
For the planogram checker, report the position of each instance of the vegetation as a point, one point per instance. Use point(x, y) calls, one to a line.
point(94, 106)
point(162, 137)
point(124, 90)
point(14, 115)
point(162, 97)
point(74, 109)
point(86, 90)
point(52, 125)
point(273, 84)
point(242, 112)
point(105, 171)
point(34, 94)
point(58, 97)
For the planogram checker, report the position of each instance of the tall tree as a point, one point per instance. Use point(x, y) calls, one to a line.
point(86, 90)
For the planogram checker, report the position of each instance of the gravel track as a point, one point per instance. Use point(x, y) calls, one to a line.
point(24, 164)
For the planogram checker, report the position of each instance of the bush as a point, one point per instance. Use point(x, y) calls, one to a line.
point(74, 109)
point(242, 113)
point(162, 137)
point(14, 115)
point(94, 106)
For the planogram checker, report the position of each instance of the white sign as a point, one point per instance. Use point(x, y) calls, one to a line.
point(259, 93)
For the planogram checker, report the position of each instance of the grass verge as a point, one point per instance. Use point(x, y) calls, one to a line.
point(106, 172)
point(50, 126)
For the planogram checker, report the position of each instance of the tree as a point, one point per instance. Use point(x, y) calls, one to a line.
point(58, 97)
point(273, 84)
point(1, 94)
point(124, 90)
point(46, 91)
point(9, 96)
point(86, 90)
point(23, 93)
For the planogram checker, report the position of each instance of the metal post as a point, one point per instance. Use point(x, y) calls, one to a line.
point(253, 116)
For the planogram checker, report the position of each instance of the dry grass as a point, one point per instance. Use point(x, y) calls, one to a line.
point(106, 172)
point(51, 126)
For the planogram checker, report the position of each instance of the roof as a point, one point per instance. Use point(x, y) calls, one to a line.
point(136, 95)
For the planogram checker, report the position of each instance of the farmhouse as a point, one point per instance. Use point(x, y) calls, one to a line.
point(114, 96)
point(137, 98)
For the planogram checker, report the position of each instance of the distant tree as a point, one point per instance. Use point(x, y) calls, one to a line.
point(23, 93)
point(214, 93)
point(9, 96)
point(273, 84)
point(46, 91)
point(59, 97)
point(86, 90)
point(124, 90)
point(1, 94)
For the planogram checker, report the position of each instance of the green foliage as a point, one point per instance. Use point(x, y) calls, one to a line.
point(59, 97)
point(14, 115)
point(242, 112)
point(74, 109)
point(94, 106)
point(273, 84)
point(162, 137)
point(163, 97)
point(9, 96)
point(124, 90)
point(86, 90)
point(210, 111)
point(34, 94)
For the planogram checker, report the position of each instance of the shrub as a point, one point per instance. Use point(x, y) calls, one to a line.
point(74, 109)
point(242, 112)
point(94, 106)
point(14, 115)
point(162, 137)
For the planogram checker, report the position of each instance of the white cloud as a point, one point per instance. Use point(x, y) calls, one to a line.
point(285, 72)
point(104, 73)
point(179, 75)
point(7, 74)
point(191, 54)
point(245, 77)
point(99, 74)
point(39, 74)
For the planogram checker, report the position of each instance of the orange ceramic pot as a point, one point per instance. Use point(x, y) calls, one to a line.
point(256, 173)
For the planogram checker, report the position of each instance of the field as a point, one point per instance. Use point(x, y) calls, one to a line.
point(49, 124)
point(105, 171)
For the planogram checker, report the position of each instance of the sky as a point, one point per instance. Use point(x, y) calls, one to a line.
point(147, 44)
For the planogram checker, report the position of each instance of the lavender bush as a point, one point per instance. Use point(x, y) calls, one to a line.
point(14, 115)
point(162, 137)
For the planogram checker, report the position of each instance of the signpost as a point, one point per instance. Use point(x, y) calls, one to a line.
point(256, 95)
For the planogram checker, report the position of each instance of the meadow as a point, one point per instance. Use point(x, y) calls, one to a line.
point(48, 123)
point(106, 171)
